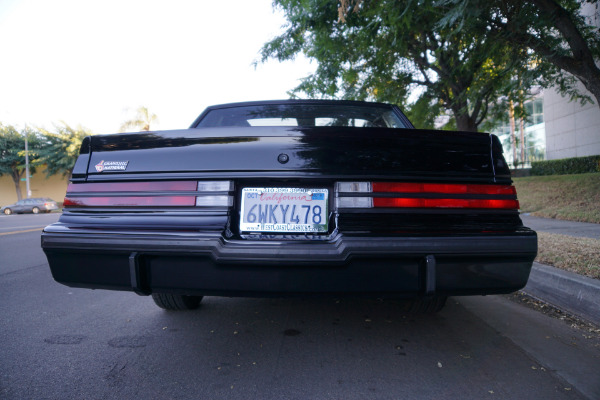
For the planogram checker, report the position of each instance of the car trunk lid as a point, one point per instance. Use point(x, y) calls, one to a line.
point(404, 154)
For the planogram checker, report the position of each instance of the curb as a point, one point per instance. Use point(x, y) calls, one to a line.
point(566, 290)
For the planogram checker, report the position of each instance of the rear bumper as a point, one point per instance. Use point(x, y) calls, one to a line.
point(207, 264)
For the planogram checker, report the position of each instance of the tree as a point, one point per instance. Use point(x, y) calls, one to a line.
point(142, 120)
point(61, 148)
point(12, 153)
point(556, 31)
point(389, 50)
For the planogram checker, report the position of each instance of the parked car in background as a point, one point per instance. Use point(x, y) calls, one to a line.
point(34, 205)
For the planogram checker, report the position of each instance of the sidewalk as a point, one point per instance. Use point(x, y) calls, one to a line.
point(568, 291)
point(578, 229)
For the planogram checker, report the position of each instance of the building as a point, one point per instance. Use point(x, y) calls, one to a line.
point(529, 134)
point(572, 130)
point(554, 128)
point(54, 187)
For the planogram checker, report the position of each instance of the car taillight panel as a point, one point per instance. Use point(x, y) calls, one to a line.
point(425, 195)
point(119, 187)
point(150, 194)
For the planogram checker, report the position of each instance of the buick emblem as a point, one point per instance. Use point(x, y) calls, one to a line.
point(283, 158)
point(100, 166)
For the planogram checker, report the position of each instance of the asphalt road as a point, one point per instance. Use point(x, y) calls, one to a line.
point(58, 342)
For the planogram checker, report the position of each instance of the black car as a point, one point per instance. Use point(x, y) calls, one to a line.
point(293, 198)
point(33, 205)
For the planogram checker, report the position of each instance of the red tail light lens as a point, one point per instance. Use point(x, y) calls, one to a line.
point(425, 195)
point(451, 188)
point(444, 203)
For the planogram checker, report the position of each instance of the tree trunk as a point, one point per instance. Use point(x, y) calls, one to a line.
point(522, 132)
point(591, 81)
point(513, 138)
point(16, 177)
point(464, 122)
point(582, 64)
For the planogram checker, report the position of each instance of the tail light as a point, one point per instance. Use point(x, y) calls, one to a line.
point(150, 194)
point(425, 195)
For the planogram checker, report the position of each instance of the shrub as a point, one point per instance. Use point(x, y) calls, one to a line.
point(566, 166)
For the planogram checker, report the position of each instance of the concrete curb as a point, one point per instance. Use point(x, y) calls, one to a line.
point(568, 291)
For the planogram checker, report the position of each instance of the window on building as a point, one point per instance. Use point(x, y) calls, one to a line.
point(535, 112)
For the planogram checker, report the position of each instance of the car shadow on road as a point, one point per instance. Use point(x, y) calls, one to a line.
point(358, 348)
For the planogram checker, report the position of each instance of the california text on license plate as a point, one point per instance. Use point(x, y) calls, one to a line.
point(284, 210)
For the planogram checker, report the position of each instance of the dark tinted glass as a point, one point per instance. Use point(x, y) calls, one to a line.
point(302, 115)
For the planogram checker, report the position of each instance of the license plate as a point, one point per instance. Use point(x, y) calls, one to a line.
point(284, 210)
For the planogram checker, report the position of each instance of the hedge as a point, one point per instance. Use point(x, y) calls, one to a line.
point(566, 166)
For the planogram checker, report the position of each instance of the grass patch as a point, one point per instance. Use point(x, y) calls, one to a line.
point(568, 197)
point(575, 254)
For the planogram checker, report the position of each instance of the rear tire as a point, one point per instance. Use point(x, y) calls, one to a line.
point(428, 305)
point(176, 302)
point(7, 211)
point(35, 210)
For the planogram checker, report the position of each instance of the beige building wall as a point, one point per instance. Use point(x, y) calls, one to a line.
point(572, 130)
point(54, 187)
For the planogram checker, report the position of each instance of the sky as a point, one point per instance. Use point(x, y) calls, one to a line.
point(94, 62)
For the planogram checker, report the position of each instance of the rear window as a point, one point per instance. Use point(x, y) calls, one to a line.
point(302, 115)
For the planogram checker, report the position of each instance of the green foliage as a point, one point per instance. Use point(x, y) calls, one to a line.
point(61, 148)
point(12, 150)
point(423, 112)
point(562, 42)
point(12, 153)
point(57, 151)
point(11, 143)
point(565, 166)
point(396, 51)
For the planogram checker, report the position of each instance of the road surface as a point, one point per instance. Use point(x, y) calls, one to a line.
point(58, 342)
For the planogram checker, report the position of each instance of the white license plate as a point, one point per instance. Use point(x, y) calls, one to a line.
point(284, 210)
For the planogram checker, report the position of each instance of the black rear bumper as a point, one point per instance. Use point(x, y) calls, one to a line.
point(207, 264)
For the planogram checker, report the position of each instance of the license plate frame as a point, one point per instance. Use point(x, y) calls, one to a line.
point(284, 210)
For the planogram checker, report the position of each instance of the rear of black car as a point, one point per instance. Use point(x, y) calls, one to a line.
point(234, 209)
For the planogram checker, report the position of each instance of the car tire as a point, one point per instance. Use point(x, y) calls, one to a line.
point(176, 302)
point(7, 211)
point(35, 210)
point(427, 305)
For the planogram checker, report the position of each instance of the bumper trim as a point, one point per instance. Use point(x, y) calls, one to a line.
point(207, 264)
point(338, 250)
point(136, 276)
point(430, 269)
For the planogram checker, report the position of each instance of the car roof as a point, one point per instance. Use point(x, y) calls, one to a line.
point(300, 101)
point(297, 101)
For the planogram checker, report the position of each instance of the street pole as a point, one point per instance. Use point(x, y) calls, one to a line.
point(27, 167)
